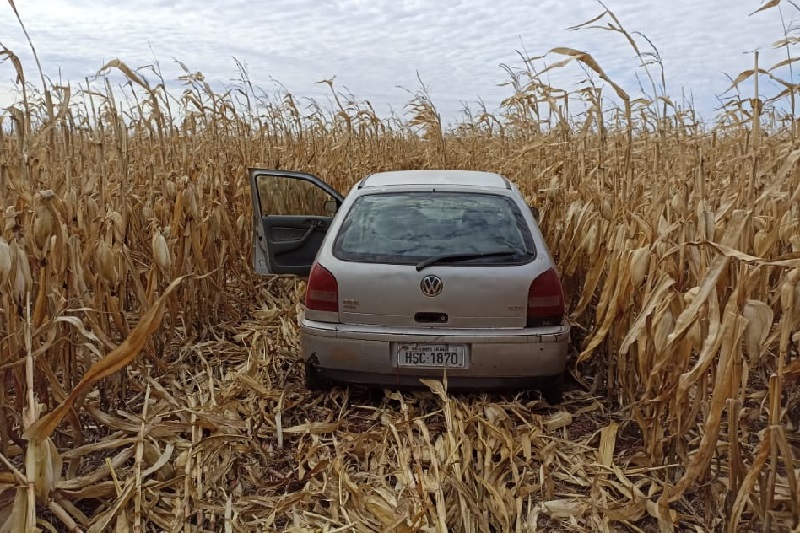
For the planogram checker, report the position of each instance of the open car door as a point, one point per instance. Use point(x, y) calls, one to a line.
point(292, 212)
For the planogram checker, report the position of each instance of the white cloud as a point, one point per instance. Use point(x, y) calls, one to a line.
point(372, 46)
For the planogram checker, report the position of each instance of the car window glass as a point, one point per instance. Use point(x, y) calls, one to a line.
point(286, 196)
point(407, 227)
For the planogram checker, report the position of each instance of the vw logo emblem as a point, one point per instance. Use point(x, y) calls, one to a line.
point(431, 285)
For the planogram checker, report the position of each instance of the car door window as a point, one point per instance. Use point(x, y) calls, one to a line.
point(283, 196)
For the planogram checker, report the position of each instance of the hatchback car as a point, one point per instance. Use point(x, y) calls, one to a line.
point(416, 274)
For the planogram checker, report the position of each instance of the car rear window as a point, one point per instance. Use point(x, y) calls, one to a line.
point(405, 228)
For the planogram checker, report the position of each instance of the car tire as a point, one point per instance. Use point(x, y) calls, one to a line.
point(554, 392)
point(313, 381)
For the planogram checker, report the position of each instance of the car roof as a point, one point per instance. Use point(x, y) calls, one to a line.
point(462, 178)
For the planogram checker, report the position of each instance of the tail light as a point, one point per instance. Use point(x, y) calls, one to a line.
point(545, 300)
point(322, 292)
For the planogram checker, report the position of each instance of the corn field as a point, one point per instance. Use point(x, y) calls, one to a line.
point(150, 381)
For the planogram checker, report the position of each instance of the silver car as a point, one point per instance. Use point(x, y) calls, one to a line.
point(416, 274)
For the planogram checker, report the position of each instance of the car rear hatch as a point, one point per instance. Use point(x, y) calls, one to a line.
point(435, 259)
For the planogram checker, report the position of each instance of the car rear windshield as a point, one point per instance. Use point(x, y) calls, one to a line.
point(409, 227)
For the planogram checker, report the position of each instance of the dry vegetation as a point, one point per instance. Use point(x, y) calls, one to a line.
point(132, 403)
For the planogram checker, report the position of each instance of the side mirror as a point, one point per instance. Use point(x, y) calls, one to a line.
point(331, 206)
point(534, 212)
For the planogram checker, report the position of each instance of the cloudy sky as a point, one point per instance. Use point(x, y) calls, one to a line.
point(376, 47)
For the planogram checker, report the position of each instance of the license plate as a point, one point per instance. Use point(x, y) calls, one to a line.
point(432, 355)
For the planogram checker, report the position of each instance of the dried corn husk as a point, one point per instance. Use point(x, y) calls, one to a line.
point(161, 252)
point(5, 261)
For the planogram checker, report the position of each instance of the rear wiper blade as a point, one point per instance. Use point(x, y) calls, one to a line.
point(454, 258)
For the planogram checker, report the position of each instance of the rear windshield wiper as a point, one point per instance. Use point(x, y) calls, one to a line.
point(454, 258)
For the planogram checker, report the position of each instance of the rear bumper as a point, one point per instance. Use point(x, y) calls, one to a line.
point(498, 358)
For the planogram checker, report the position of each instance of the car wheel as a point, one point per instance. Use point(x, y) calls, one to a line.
point(313, 381)
point(554, 392)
